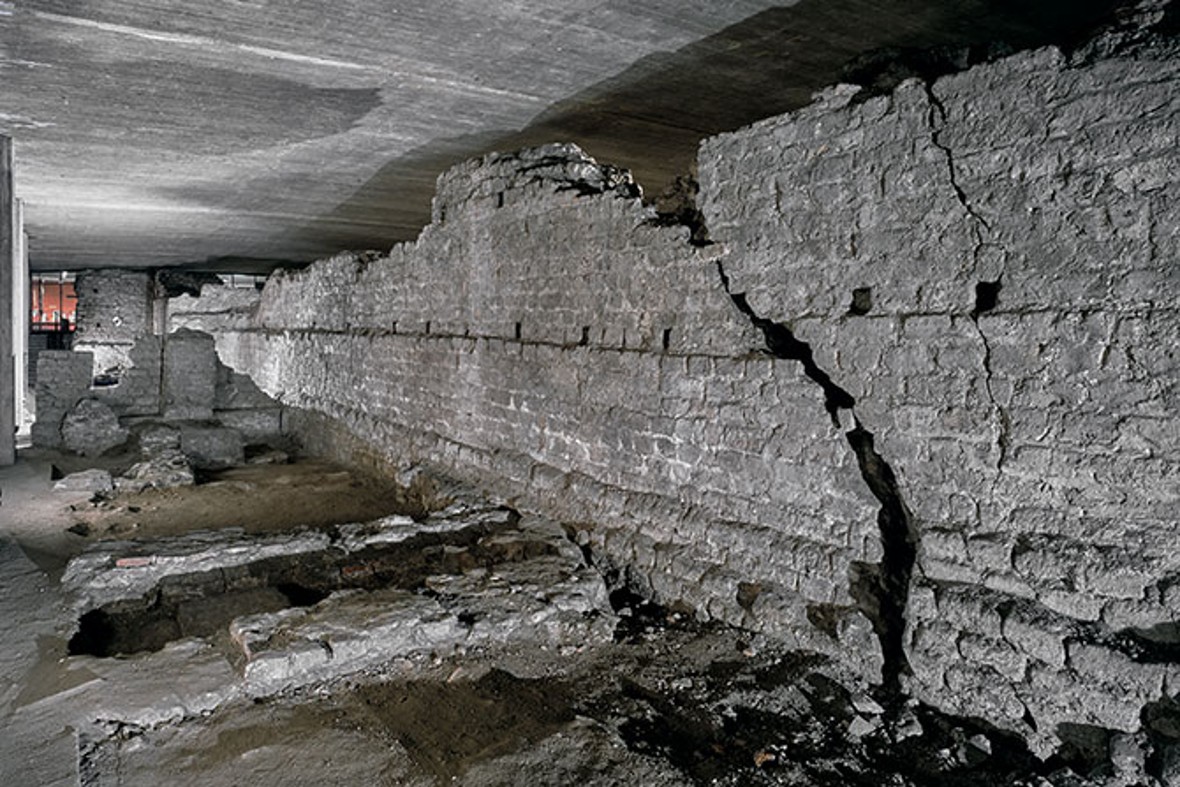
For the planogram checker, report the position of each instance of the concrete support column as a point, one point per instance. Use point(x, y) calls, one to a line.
point(8, 247)
point(21, 307)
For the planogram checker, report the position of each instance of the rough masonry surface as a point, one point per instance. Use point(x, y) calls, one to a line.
point(920, 390)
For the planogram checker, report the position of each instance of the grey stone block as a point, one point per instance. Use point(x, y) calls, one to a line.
point(163, 468)
point(255, 426)
point(63, 378)
point(93, 480)
point(91, 429)
point(212, 447)
point(189, 376)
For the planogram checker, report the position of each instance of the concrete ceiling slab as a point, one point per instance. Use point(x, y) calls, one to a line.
point(239, 134)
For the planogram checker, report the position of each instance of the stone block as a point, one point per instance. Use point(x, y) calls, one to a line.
point(63, 378)
point(189, 376)
point(255, 426)
point(156, 438)
point(91, 429)
point(163, 469)
point(93, 480)
point(238, 392)
point(137, 390)
point(114, 306)
point(212, 447)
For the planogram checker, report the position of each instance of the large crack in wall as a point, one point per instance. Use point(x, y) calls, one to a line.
point(1009, 222)
point(881, 591)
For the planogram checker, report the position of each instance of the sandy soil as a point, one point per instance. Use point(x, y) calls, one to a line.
point(257, 498)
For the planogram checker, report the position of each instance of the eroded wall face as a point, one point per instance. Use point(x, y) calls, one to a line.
point(545, 338)
point(926, 376)
point(989, 267)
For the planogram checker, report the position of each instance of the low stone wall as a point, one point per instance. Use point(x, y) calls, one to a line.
point(924, 382)
point(218, 308)
point(175, 378)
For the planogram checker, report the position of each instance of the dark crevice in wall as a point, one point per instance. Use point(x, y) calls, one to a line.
point(677, 207)
point(882, 591)
point(781, 343)
point(862, 301)
point(987, 297)
point(899, 542)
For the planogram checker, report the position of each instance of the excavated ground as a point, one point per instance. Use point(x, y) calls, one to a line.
point(462, 645)
point(670, 703)
point(53, 526)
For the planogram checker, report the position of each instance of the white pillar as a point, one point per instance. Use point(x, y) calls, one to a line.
point(8, 247)
point(21, 305)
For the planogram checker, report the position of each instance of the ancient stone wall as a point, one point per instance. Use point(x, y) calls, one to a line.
point(114, 311)
point(987, 265)
point(175, 379)
point(925, 376)
point(216, 309)
point(546, 337)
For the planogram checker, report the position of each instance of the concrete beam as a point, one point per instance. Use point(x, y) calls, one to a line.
point(9, 230)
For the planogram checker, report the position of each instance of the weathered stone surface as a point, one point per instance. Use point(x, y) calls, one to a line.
point(551, 601)
point(972, 275)
point(211, 447)
point(63, 378)
point(981, 263)
point(136, 390)
point(93, 480)
point(155, 438)
point(216, 309)
point(498, 346)
point(163, 468)
point(91, 429)
point(539, 603)
point(254, 426)
point(189, 376)
point(114, 311)
point(113, 570)
point(236, 391)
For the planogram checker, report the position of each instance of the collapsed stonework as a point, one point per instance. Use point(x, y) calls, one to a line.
point(172, 400)
point(914, 407)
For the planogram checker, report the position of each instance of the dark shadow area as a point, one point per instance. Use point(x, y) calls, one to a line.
point(651, 117)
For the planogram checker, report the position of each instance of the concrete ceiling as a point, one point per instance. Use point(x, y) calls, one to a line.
point(235, 134)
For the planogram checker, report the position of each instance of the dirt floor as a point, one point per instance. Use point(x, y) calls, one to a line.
point(54, 526)
point(260, 498)
point(671, 703)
